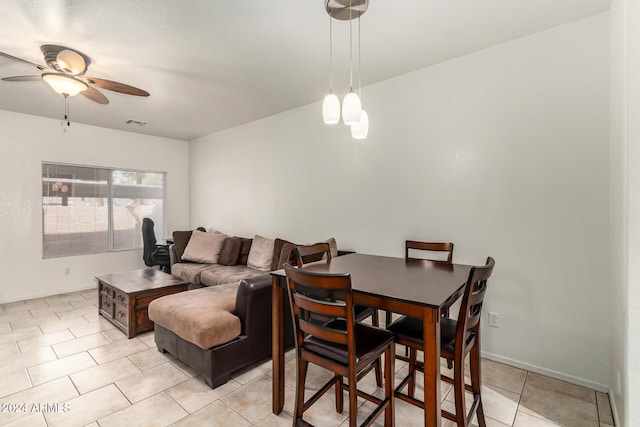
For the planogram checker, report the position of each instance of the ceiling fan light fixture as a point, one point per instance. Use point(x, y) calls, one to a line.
point(70, 62)
point(64, 84)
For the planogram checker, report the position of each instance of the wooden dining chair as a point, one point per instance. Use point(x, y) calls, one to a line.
point(341, 345)
point(318, 251)
point(430, 251)
point(457, 339)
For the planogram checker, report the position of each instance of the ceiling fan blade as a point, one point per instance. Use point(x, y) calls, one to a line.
point(116, 86)
point(22, 78)
point(16, 59)
point(94, 95)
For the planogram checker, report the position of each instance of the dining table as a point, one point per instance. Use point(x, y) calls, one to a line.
point(419, 288)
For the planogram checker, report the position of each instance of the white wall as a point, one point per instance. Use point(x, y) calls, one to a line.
point(619, 226)
point(504, 152)
point(25, 142)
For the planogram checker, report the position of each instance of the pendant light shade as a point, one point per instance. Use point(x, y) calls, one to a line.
point(361, 129)
point(351, 109)
point(331, 109)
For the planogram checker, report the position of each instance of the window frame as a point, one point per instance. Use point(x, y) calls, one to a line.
point(160, 233)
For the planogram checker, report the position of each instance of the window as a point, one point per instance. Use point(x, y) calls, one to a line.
point(87, 210)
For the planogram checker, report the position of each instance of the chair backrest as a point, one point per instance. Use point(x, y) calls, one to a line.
point(446, 248)
point(310, 253)
point(148, 241)
point(325, 295)
point(471, 306)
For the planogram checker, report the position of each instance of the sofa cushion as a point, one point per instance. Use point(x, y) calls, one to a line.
point(287, 256)
point(220, 274)
point(202, 316)
point(244, 251)
point(204, 247)
point(180, 240)
point(261, 253)
point(189, 271)
point(230, 251)
point(278, 245)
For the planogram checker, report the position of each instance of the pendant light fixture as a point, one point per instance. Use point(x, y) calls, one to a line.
point(331, 103)
point(352, 114)
point(360, 130)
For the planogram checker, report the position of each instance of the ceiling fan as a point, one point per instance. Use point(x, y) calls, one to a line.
point(66, 75)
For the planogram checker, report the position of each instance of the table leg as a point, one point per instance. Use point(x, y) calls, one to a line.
point(431, 328)
point(277, 345)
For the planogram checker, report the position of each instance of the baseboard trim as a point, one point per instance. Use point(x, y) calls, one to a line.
point(614, 411)
point(548, 372)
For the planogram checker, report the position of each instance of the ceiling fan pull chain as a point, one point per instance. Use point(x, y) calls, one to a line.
point(66, 110)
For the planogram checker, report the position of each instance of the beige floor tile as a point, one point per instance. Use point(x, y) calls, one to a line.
point(150, 358)
point(604, 408)
point(499, 404)
point(65, 298)
point(501, 375)
point(21, 334)
point(31, 344)
point(89, 407)
point(26, 360)
point(91, 328)
point(113, 333)
point(79, 345)
point(90, 295)
point(252, 400)
point(8, 349)
point(61, 367)
point(27, 322)
point(26, 420)
point(101, 375)
point(194, 394)
point(50, 309)
point(76, 312)
point(22, 306)
point(141, 386)
point(85, 303)
point(526, 420)
point(557, 407)
point(57, 391)
point(218, 411)
point(157, 411)
point(58, 325)
point(148, 339)
point(116, 350)
point(563, 387)
point(323, 411)
point(281, 420)
point(14, 382)
point(419, 392)
point(315, 374)
point(5, 328)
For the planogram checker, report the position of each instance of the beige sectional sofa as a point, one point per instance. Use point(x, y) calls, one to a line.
point(223, 323)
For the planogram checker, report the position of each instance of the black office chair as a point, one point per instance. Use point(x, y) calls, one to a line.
point(152, 253)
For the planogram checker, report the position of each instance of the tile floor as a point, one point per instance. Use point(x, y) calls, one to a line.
point(62, 365)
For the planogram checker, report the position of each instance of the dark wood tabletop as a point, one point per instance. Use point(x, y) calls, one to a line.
point(140, 280)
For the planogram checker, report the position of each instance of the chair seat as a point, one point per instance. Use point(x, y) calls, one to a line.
point(370, 342)
point(408, 328)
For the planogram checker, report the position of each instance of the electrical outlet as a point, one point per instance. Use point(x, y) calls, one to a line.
point(67, 271)
point(494, 319)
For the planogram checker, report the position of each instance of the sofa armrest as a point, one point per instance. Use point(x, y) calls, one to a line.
point(253, 304)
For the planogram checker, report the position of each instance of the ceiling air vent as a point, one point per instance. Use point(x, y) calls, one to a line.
point(135, 122)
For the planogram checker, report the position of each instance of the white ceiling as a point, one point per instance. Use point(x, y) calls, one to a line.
point(213, 64)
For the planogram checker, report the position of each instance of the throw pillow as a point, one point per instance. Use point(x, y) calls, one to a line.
point(230, 251)
point(277, 250)
point(287, 256)
point(180, 241)
point(261, 253)
point(204, 247)
point(244, 251)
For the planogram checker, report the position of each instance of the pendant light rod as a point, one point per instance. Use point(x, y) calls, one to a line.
point(359, 62)
point(330, 55)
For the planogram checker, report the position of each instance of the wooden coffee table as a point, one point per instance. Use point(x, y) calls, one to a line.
point(123, 298)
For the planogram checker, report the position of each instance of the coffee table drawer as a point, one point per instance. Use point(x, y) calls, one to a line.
point(121, 315)
point(121, 298)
